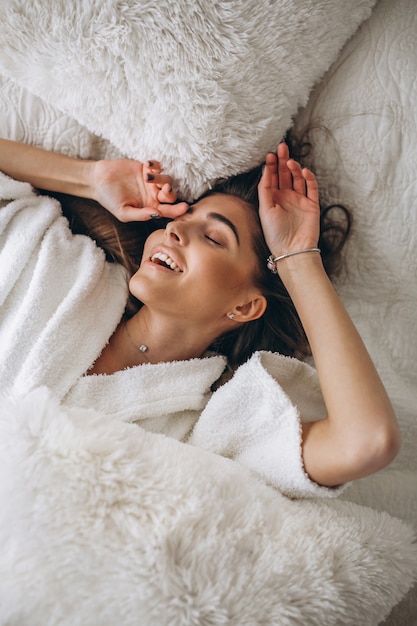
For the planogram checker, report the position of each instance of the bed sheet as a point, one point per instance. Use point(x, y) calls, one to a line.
point(363, 129)
point(366, 158)
point(25, 117)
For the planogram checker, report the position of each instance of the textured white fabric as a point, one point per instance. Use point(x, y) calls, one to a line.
point(254, 421)
point(25, 117)
point(251, 419)
point(49, 282)
point(207, 87)
point(368, 161)
point(368, 102)
point(103, 523)
point(163, 398)
point(60, 304)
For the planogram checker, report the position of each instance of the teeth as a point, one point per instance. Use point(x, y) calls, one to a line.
point(165, 259)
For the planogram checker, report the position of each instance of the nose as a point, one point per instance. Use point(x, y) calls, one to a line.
point(175, 232)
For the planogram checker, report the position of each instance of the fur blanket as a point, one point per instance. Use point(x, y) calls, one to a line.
point(103, 523)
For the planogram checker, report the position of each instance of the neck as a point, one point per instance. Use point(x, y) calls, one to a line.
point(164, 339)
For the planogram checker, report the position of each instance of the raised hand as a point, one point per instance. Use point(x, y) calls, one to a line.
point(133, 191)
point(289, 204)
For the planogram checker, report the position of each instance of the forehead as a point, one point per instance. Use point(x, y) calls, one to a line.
point(232, 207)
point(226, 201)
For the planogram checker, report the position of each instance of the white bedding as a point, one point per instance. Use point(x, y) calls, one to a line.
point(103, 523)
point(368, 100)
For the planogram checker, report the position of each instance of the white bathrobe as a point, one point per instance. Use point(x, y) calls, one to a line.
point(60, 302)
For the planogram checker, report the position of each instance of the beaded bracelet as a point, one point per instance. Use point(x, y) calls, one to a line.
point(271, 260)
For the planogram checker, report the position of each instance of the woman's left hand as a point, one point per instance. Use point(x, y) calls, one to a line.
point(134, 191)
point(288, 204)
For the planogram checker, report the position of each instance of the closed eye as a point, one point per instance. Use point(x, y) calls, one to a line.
point(218, 217)
point(214, 241)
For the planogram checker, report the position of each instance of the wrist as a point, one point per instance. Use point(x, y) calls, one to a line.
point(65, 174)
point(299, 269)
point(273, 260)
point(85, 180)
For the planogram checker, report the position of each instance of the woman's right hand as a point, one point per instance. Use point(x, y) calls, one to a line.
point(134, 191)
point(130, 190)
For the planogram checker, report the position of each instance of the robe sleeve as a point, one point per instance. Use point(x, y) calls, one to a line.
point(255, 420)
point(59, 299)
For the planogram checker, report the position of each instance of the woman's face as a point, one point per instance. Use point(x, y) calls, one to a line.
point(202, 265)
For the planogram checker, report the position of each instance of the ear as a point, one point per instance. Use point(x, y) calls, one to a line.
point(251, 310)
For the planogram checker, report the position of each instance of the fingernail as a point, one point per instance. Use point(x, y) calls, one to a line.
point(150, 177)
point(150, 163)
point(156, 216)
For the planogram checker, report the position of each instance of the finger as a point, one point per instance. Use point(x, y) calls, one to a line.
point(150, 170)
point(271, 163)
point(154, 165)
point(167, 194)
point(135, 214)
point(173, 210)
point(311, 184)
point(284, 174)
point(298, 182)
point(265, 188)
point(157, 179)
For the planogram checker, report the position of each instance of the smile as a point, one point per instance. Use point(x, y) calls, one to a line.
point(160, 258)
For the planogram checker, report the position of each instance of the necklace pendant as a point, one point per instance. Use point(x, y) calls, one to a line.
point(143, 348)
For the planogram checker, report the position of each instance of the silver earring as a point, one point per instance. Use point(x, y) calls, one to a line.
point(232, 316)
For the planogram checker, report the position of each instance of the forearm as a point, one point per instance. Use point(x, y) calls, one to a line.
point(360, 434)
point(46, 170)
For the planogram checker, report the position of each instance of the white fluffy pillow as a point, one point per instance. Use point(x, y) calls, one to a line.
point(208, 87)
point(103, 523)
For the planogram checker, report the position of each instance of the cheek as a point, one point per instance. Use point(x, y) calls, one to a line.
point(221, 278)
point(210, 270)
point(152, 240)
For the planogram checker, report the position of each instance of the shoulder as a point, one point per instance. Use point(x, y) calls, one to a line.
point(33, 224)
point(26, 216)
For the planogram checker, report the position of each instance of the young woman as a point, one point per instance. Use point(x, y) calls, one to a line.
point(222, 276)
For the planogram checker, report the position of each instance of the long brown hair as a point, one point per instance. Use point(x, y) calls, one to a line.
point(279, 329)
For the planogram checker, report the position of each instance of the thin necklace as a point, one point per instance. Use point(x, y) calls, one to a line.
point(143, 348)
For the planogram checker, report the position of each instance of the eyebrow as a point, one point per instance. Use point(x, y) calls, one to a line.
point(221, 218)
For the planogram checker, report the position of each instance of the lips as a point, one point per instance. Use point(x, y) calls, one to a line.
point(161, 258)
